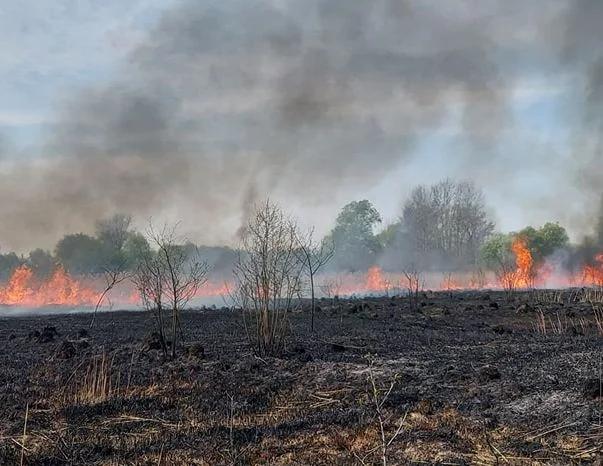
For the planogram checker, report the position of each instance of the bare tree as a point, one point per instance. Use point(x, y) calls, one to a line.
point(169, 279)
point(113, 273)
point(508, 277)
point(446, 223)
point(479, 278)
point(149, 279)
point(268, 275)
point(331, 287)
point(414, 284)
point(314, 255)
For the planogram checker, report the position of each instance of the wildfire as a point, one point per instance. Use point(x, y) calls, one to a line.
point(375, 281)
point(61, 289)
point(525, 274)
point(593, 274)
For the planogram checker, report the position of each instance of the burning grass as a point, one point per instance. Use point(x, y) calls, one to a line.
point(23, 289)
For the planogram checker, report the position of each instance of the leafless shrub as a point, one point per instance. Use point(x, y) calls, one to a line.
point(113, 275)
point(232, 454)
point(448, 282)
point(268, 276)
point(414, 285)
point(508, 278)
point(331, 287)
point(24, 438)
point(314, 255)
point(167, 280)
point(478, 278)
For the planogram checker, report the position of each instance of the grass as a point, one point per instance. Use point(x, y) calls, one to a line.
point(598, 316)
point(547, 296)
point(99, 383)
point(556, 325)
point(22, 460)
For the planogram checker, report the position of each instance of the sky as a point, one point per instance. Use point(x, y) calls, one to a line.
point(184, 110)
point(51, 47)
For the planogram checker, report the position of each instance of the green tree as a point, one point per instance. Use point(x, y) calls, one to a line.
point(544, 241)
point(497, 251)
point(554, 237)
point(81, 254)
point(8, 264)
point(114, 231)
point(136, 249)
point(356, 245)
point(41, 263)
point(387, 236)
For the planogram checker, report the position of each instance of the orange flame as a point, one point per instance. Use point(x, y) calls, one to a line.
point(375, 281)
point(525, 274)
point(60, 289)
point(593, 274)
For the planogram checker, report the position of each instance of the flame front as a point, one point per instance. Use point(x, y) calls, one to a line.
point(61, 289)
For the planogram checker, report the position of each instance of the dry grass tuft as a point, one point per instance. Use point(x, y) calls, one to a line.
point(99, 383)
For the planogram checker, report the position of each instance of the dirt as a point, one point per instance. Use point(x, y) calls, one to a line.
point(455, 378)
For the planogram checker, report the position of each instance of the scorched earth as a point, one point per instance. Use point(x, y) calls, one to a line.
point(453, 378)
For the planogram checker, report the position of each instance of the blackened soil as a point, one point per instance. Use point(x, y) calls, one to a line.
point(462, 378)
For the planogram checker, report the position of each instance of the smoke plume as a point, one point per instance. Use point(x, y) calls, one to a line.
point(302, 100)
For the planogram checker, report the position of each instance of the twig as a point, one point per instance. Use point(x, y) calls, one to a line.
point(549, 431)
point(24, 435)
point(161, 454)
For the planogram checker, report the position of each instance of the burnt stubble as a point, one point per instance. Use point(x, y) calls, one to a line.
point(474, 384)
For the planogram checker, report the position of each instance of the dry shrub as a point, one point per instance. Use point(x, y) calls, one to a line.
point(268, 275)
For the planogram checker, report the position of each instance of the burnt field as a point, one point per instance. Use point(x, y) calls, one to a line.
point(462, 378)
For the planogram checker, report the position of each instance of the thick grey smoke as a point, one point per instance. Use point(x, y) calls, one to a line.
point(297, 100)
point(583, 55)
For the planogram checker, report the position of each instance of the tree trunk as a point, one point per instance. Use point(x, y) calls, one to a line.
point(174, 331)
point(313, 301)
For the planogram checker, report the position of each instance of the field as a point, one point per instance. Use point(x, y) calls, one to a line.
point(458, 378)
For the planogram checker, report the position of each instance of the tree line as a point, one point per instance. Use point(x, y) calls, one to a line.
point(114, 245)
point(442, 227)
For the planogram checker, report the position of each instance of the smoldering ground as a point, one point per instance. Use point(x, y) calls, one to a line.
point(307, 101)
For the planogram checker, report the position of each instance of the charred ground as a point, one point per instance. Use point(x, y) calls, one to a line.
point(482, 378)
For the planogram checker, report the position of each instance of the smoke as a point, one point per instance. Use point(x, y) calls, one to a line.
point(582, 55)
point(300, 101)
